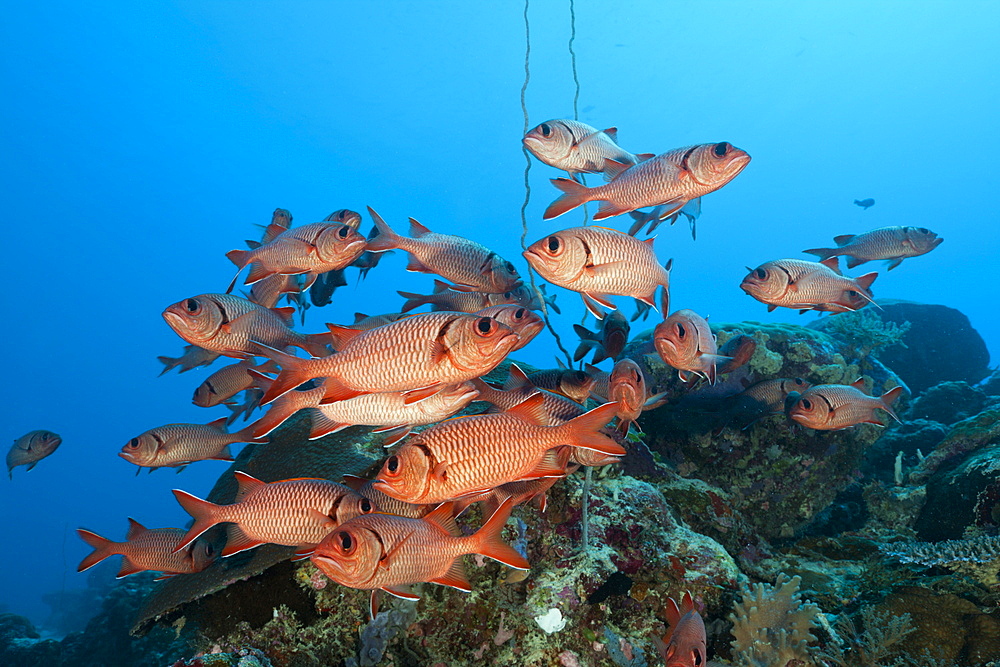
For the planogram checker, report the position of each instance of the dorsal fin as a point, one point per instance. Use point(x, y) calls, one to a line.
point(287, 314)
point(866, 280)
point(440, 286)
point(442, 516)
point(219, 423)
point(843, 239)
point(859, 384)
point(135, 529)
point(343, 335)
point(417, 230)
point(517, 379)
point(832, 263)
point(245, 484)
point(613, 133)
point(358, 317)
point(531, 409)
point(614, 168)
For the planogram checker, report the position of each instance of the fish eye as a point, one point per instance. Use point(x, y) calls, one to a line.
point(680, 330)
point(721, 149)
point(519, 314)
point(366, 505)
point(345, 540)
point(806, 403)
point(392, 465)
point(508, 295)
point(552, 243)
point(341, 215)
point(192, 305)
point(851, 293)
point(342, 232)
point(760, 273)
point(484, 325)
point(133, 443)
point(546, 130)
point(580, 376)
point(923, 230)
point(509, 267)
point(799, 381)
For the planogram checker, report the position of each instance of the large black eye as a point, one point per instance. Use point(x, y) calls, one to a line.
point(580, 376)
point(799, 381)
point(553, 244)
point(508, 295)
point(345, 541)
point(546, 130)
point(484, 325)
point(721, 149)
point(366, 505)
point(392, 465)
point(697, 659)
point(133, 443)
point(341, 215)
point(806, 403)
point(509, 267)
point(192, 305)
point(680, 330)
point(343, 232)
point(519, 313)
point(923, 230)
point(760, 273)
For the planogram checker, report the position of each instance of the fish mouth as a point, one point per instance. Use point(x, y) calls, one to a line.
point(173, 320)
point(330, 566)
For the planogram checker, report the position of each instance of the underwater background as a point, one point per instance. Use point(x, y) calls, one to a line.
point(143, 141)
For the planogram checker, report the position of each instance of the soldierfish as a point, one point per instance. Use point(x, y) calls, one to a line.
point(673, 179)
point(831, 407)
point(268, 291)
point(685, 643)
point(627, 388)
point(148, 549)
point(767, 397)
point(31, 448)
point(385, 504)
point(607, 343)
point(388, 552)
point(525, 323)
point(740, 348)
point(226, 324)
point(193, 357)
point(446, 298)
point(294, 512)
point(573, 384)
point(890, 243)
point(795, 283)
point(321, 291)
point(423, 352)
point(472, 454)
point(865, 203)
point(471, 266)
point(310, 249)
point(598, 262)
point(223, 384)
point(177, 445)
point(685, 341)
point(576, 147)
point(666, 213)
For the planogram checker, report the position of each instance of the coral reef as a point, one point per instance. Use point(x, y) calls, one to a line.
point(948, 402)
point(772, 626)
point(866, 331)
point(965, 436)
point(977, 557)
point(963, 495)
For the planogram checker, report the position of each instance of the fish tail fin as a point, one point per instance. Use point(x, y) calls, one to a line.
point(238, 257)
point(387, 239)
point(316, 344)
point(823, 253)
point(168, 363)
point(489, 539)
point(888, 398)
point(205, 516)
point(293, 373)
point(574, 194)
point(414, 300)
point(283, 409)
point(584, 431)
point(102, 546)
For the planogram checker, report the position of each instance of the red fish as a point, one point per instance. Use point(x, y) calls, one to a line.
point(472, 454)
point(223, 384)
point(226, 324)
point(525, 323)
point(889, 243)
point(445, 297)
point(386, 552)
point(177, 445)
point(31, 448)
point(576, 147)
point(795, 283)
point(293, 512)
point(685, 341)
point(627, 387)
point(831, 407)
point(574, 385)
point(471, 266)
point(685, 644)
point(148, 549)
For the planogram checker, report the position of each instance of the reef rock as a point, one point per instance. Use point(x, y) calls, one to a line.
point(948, 402)
point(967, 494)
point(777, 474)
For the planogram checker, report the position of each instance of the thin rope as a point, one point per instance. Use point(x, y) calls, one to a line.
point(527, 188)
point(576, 92)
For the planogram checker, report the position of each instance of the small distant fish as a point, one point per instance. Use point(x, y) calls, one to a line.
point(795, 283)
point(865, 203)
point(294, 512)
point(421, 353)
point(627, 387)
point(177, 445)
point(148, 549)
point(671, 179)
point(685, 341)
point(831, 407)
point(368, 259)
point(608, 343)
point(226, 324)
point(385, 552)
point(321, 292)
point(31, 448)
point(573, 384)
point(889, 243)
point(225, 383)
point(598, 262)
point(446, 298)
point(470, 265)
point(666, 213)
point(468, 455)
point(556, 408)
point(685, 644)
point(739, 349)
point(193, 357)
point(576, 147)
point(311, 249)
point(364, 322)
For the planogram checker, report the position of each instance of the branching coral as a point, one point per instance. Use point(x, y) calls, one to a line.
point(978, 557)
point(878, 645)
point(772, 625)
point(866, 331)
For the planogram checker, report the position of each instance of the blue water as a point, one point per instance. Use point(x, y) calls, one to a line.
point(141, 141)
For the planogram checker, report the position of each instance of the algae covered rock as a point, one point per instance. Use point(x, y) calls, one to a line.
point(948, 402)
point(967, 494)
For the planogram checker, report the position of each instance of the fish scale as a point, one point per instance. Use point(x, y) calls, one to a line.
point(153, 550)
point(226, 382)
point(300, 249)
point(893, 243)
point(389, 408)
point(177, 444)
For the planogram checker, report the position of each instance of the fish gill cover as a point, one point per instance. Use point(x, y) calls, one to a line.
point(715, 446)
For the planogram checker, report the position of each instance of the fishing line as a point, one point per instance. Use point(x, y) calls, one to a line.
point(527, 187)
point(576, 93)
